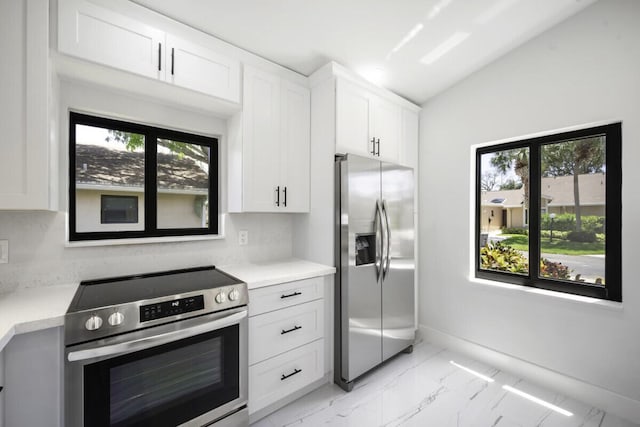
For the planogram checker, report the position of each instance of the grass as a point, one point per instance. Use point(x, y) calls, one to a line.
point(558, 246)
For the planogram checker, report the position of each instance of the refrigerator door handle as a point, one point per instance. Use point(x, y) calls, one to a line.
point(387, 258)
point(378, 228)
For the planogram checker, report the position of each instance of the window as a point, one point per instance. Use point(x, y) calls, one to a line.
point(129, 180)
point(562, 193)
point(118, 209)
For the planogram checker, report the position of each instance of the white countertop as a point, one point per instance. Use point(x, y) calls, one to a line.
point(32, 309)
point(261, 274)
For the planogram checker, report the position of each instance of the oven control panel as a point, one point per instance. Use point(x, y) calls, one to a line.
point(171, 308)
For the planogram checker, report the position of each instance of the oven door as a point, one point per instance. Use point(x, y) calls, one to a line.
point(190, 372)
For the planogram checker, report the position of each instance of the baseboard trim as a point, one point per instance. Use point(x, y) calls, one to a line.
point(601, 398)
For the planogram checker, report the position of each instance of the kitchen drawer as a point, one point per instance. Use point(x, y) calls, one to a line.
point(278, 377)
point(283, 330)
point(270, 298)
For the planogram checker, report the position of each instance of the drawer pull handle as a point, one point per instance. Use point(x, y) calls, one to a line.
point(295, 371)
point(295, 328)
point(291, 295)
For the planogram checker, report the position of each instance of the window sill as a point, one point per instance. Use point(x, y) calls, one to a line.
point(142, 240)
point(612, 305)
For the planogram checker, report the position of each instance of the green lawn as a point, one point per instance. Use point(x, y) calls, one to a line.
point(558, 246)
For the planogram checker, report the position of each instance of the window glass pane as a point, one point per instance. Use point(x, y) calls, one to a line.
point(183, 185)
point(108, 160)
point(573, 199)
point(504, 203)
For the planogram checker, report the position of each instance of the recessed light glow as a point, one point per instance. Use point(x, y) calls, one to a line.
point(406, 39)
point(444, 47)
point(537, 400)
point(471, 371)
point(375, 75)
point(439, 7)
point(495, 10)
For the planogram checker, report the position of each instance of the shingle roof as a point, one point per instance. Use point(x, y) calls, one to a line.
point(97, 165)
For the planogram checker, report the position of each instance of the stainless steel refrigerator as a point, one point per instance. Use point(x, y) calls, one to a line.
point(374, 300)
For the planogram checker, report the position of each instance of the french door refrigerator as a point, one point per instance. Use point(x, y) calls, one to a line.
point(374, 301)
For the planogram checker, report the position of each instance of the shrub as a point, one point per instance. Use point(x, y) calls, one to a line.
point(554, 269)
point(567, 222)
point(582, 236)
point(546, 234)
point(497, 256)
point(515, 230)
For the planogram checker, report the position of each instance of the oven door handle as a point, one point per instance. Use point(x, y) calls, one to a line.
point(154, 340)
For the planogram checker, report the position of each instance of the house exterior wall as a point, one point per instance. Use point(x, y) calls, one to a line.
point(584, 210)
point(174, 211)
point(548, 83)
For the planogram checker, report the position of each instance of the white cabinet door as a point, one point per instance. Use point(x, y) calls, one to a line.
point(25, 152)
point(195, 67)
point(295, 139)
point(353, 110)
point(97, 34)
point(385, 124)
point(261, 155)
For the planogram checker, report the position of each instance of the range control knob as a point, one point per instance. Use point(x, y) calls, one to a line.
point(234, 295)
point(93, 323)
point(116, 318)
point(221, 297)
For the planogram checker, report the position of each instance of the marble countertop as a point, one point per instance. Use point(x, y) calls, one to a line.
point(33, 309)
point(261, 274)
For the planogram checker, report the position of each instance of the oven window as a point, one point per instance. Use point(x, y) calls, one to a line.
point(166, 385)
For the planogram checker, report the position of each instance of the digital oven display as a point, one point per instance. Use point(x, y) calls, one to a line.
point(171, 308)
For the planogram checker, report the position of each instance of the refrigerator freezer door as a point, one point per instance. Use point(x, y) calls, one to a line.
point(398, 294)
point(360, 293)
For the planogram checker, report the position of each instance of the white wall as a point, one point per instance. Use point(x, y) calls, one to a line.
point(586, 69)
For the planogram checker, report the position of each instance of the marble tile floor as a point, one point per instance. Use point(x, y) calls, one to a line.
point(425, 389)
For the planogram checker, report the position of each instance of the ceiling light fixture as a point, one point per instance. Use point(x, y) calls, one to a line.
point(471, 371)
point(439, 7)
point(444, 47)
point(406, 39)
point(537, 400)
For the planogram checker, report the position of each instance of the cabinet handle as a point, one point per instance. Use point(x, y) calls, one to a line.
point(373, 145)
point(1, 388)
point(295, 328)
point(285, 197)
point(172, 60)
point(378, 144)
point(278, 195)
point(159, 56)
point(295, 294)
point(295, 371)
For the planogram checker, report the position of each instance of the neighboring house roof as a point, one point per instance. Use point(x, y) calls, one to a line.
point(558, 191)
point(96, 165)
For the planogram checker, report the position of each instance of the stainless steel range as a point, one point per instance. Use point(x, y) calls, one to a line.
point(162, 349)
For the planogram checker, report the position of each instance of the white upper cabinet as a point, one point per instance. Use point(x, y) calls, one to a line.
point(269, 146)
point(94, 33)
point(195, 67)
point(97, 34)
point(366, 124)
point(26, 153)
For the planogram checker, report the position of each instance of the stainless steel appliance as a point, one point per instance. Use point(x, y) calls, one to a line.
point(375, 258)
point(162, 349)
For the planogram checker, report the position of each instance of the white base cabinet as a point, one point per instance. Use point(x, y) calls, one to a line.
point(286, 340)
point(33, 385)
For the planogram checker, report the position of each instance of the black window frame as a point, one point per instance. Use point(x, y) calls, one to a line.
point(612, 290)
point(151, 134)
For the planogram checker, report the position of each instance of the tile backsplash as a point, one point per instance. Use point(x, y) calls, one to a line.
point(38, 256)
